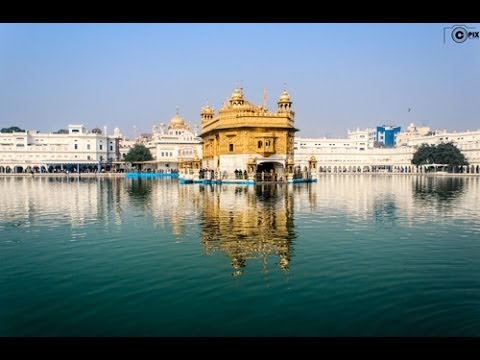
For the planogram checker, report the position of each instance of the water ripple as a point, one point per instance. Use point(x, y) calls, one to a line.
point(348, 255)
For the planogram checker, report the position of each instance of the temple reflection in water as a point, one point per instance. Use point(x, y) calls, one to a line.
point(248, 222)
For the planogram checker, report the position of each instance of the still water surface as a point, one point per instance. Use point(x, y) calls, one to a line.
point(353, 255)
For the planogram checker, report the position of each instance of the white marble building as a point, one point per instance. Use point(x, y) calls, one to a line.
point(172, 144)
point(77, 150)
point(352, 154)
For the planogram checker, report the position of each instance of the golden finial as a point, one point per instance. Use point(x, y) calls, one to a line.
point(264, 97)
point(284, 86)
point(177, 109)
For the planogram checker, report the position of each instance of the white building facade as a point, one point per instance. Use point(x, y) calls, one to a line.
point(173, 144)
point(347, 155)
point(79, 150)
point(353, 154)
point(467, 141)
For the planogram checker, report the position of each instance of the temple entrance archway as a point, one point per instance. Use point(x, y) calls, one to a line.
point(270, 171)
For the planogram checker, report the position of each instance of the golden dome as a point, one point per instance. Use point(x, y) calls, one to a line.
point(177, 122)
point(237, 94)
point(208, 110)
point(284, 97)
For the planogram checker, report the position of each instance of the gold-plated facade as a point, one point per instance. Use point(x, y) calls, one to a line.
point(242, 133)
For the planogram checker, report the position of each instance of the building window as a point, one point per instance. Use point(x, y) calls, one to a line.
point(75, 146)
point(230, 147)
point(260, 144)
point(88, 157)
point(111, 148)
point(163, 154)
point(88, 146)
point(101, 147)
point(267, 143)
point(171, 154)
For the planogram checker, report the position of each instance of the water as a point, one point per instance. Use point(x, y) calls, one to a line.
point(350, 255)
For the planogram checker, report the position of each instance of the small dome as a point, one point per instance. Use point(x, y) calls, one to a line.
point(284, 97)
point(237, 94)
point(208, 110)
point(177, 122)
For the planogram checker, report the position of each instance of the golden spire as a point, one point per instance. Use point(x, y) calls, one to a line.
point(177, 109)
point(264, 98)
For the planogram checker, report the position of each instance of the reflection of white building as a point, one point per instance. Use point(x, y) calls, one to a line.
point(39, 201)
point(170, 145)
point(410, 201)
point(35, 151)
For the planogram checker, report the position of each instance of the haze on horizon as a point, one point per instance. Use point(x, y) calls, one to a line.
point(339, 76)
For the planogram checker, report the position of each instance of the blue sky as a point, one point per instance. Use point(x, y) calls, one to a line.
point(339, 76)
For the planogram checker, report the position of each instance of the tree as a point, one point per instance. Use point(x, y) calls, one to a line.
point(11, 129)
point(445, 154)
point(138, 153)
point(61, 131)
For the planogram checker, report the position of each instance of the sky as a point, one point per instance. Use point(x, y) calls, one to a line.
point(339, 76)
